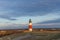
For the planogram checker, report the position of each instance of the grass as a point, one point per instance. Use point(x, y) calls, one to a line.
point(36, 36)
point(43, 36)
point(12, 36)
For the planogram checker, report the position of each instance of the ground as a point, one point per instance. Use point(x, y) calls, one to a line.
point(33, 36)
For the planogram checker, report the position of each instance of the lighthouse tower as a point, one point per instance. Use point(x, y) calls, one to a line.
point(30, 25)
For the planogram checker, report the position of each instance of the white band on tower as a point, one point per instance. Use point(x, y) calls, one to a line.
point(30, 23)
point(30, 29)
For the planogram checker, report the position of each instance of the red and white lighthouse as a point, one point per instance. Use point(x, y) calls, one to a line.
point(30, 25)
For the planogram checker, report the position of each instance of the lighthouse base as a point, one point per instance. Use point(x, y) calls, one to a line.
point(30, 29)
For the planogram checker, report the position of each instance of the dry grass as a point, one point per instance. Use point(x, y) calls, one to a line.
point(43, 36)
point(35, 35)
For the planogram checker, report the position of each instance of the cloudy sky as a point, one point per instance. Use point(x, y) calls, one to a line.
point(42, 12)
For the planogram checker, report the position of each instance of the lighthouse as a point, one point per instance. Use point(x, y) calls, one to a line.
point(30, 25)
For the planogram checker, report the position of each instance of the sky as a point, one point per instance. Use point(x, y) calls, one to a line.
point(16, 13)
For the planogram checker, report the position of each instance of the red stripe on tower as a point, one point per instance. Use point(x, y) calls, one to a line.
point(30, 25)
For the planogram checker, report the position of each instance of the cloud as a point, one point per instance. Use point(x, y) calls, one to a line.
point(51, 21)
point(48, 24)
point(18, 8)
point(12, 26)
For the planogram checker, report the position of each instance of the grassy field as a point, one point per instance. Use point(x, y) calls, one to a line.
point(33, 36)
point(43, 36)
